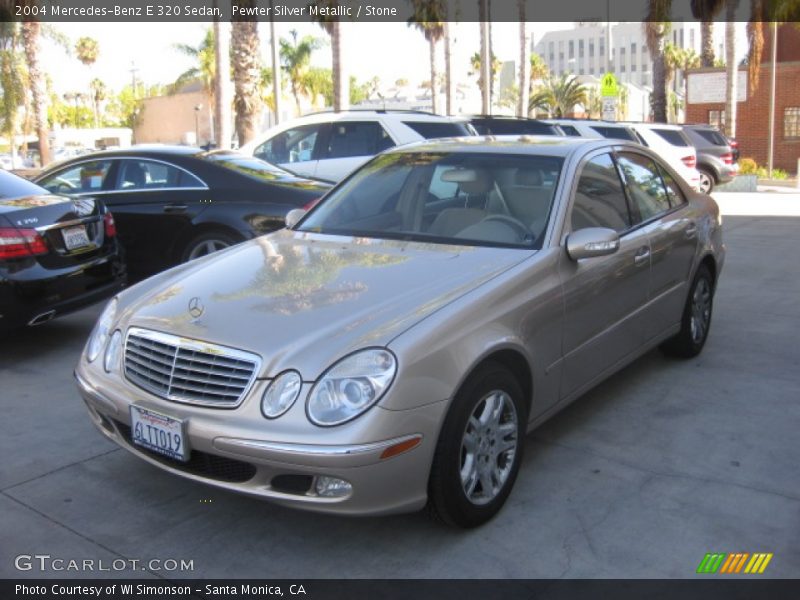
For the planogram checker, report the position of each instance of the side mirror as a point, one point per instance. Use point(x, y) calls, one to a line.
point(293, 217)
point(592, 241)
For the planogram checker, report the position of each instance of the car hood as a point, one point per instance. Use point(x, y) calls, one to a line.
point(303, 300)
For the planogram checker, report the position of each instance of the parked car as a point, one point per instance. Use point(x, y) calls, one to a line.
point(502, 125)
point(57, 254)
point(392, 348)
point(330, 145)
point(672, 145)
point(715, 161)
point(595, 129)
point(175, 203)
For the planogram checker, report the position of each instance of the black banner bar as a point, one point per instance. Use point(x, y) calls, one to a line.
point(365, 11)
point(705, 588)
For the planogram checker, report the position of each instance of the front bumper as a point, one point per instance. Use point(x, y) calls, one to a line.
point(280, 470)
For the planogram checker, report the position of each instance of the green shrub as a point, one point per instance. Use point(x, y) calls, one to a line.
point(747, 166)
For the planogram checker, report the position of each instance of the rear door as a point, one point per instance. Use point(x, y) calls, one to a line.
point(349, 145)
point(603, 296)
point(296, 149)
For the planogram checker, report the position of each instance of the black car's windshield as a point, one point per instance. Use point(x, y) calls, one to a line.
point(248, 166)
point(12, 186)
point(454, 198)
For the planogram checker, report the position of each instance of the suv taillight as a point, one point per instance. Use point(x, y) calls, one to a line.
point(110, 226)
point(16, 243)
point(690, 161)
point(727, 158)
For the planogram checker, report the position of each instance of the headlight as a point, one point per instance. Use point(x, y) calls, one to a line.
point(281, 394)
point(111, 358)
point(100, 332)
point(351, 386)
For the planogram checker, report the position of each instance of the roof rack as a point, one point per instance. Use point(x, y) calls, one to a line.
point(375, 110)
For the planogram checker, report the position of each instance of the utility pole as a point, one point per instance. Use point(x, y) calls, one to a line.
point(771, 148)
point(276, 66)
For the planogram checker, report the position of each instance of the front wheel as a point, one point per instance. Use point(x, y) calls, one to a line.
point(205, 244)
point(696, 319)
point(706, 181)
point(479, 449)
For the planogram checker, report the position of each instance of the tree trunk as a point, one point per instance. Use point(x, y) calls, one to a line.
point(434, 76)
point(707, 42)
point(524, 63)
point(486, 68)
point(658, 100)
point(448, 75)
point(341, 81)
point(276, 68)
point(246, 77)
point(222, 85)
point(731, 69)
point(30, 33)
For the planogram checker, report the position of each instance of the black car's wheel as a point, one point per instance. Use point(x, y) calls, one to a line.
point(207, 243)
point(706, 181)
point(696, 320)
point(479, 449)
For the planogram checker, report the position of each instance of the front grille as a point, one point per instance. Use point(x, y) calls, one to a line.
point(199, 463)
point(189, 371)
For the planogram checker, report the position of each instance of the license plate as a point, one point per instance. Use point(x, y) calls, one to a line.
point(75, 237)
point(158, 433)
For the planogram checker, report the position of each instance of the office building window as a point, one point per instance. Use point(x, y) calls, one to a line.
point(681, 38)
point(591, 48)
point(551, 48)
point(717, 119)
point(791, 121)
point(571, 49)
point(591, 70)
point(633, 50)
point(633, 67)
point(580, 49)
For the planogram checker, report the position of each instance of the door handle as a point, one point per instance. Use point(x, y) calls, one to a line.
point(691, 230)
point(174, 208)
point(642, 256)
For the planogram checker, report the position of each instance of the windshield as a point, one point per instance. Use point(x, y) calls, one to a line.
point(438, 197)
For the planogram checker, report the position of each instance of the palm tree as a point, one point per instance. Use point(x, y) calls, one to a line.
point(484, 58)
point(428, 17)
point(99, 93)
point(221, 97)
point(30, 37)
point(688, 59)
point(475, 65)
point(204, 69)
point(296, 57)
point(245, 53)
point(656, 27)
point(13, 78)
point(333, 27)
point(524, 62)
point(559, 95)
point(87, 50)
point(705, 11)
point(731, 70)
point(448, 71)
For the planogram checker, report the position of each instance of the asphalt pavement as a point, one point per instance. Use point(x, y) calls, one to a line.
point(664, 462)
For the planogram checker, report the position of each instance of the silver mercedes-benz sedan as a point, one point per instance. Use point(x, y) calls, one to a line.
point(391, 348)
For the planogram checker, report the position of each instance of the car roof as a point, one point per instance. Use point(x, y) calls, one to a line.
point(534, 145)
point(360, 113)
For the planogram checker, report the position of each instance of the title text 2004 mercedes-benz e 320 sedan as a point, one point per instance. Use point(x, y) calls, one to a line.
point(392, 348)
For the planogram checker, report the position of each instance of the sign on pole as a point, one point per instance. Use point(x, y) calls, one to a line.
point(609, 91)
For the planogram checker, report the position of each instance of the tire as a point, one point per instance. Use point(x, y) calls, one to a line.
point(707, 181)
point(696, 319)
point(468, 453)
point(207, 243)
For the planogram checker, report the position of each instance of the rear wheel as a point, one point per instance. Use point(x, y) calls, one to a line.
point(706, 181)
point(207, 243)
point(479, 449)
point(696, 320)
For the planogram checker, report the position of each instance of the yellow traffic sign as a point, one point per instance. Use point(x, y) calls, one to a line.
point(608, 86)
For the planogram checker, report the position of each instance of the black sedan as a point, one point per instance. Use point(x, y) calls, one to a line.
point(176, 203)
point(57, 254)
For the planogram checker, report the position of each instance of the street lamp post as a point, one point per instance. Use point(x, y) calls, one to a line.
point(197, 124)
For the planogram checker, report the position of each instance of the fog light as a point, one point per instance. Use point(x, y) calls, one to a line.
point(332, 487)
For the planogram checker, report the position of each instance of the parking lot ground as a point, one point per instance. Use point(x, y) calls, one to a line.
point(662, 463)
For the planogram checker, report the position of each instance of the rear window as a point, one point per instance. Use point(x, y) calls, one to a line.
point(711, 136)
point(430, 129)
point(673, 137)
point(12, 186)
point(615, 133)
point(570, 131)
point(513, 127)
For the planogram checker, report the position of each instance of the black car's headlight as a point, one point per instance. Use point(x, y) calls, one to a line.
point(351, 386)
point(99, 336)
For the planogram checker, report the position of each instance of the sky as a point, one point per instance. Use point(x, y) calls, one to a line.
point(390, 51)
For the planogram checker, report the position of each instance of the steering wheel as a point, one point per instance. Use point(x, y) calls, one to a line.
point(518, 226)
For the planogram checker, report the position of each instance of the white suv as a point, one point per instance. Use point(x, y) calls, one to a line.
point(669, 142)
point(330, 145)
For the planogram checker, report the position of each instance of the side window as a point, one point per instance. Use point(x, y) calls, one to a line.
point(83, 178)
point(291, 146)
point(357, 138)
point(570, 131)
point(600, 199)
point(151, 175)
point(676, 197)
point(645, 186)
